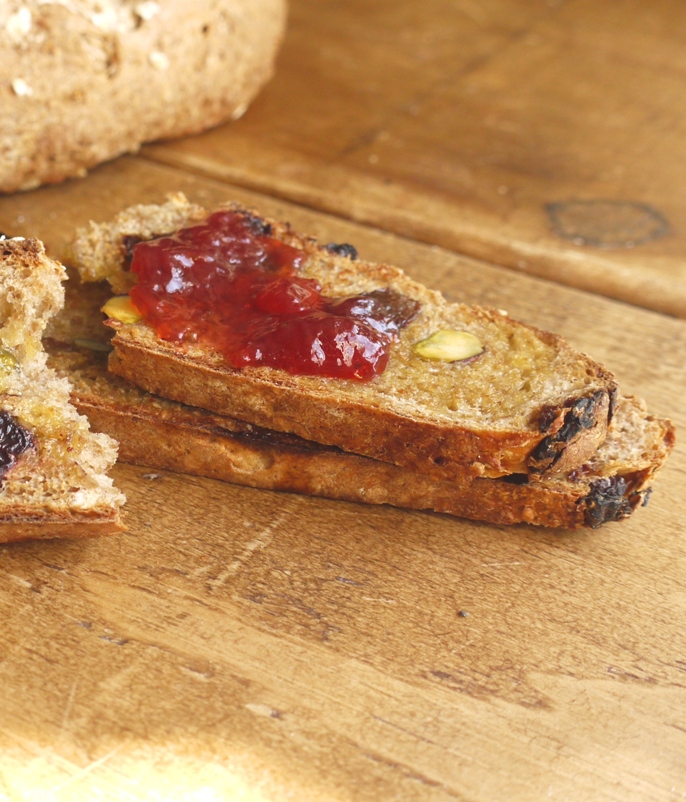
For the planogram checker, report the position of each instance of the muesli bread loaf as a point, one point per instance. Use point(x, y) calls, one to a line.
point(82, 81)
point(528, 404)
point(53, 480)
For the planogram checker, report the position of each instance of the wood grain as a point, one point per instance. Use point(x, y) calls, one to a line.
point(242, 644)
point(547, 137)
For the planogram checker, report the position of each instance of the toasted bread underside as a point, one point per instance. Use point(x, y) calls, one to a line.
point(42, 527)
point(55, 484)
point(529, 404)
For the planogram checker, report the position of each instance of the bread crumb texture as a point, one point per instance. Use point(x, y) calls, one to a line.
point(63, 476)
point(72, 72)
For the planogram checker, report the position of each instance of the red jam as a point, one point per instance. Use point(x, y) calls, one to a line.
point(228, 284)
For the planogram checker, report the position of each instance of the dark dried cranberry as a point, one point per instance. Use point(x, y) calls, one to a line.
point(259, 227)
point(128, 243)
point(343, 249)
point(14, 441)
point(516, 478)
point(607, 501)
point(581, 415)
point(386, 310)
point(547, 417)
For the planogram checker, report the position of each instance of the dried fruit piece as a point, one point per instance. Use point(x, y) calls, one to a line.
point(343, 249)
point(121, 308)
point(14, 440)
point(609, 500)
point(449, 345)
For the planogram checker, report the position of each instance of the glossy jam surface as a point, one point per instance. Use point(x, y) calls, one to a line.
point(228, 284)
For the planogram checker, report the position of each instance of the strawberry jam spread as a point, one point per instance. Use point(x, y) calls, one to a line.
point(228, 284)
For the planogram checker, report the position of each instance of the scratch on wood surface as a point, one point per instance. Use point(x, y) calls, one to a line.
point(677, 727)
point(258, 543)
point(379, 599)
point(69, 705)
point(20, 581)
point(407, 732)
point(86, 770)
point(33, 748)
point(266, 711)
point(408, 773)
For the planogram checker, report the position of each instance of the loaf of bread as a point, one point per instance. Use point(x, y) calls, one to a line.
point(53, 480)
point(166, 435)
point(530, 404)
point(82, 81)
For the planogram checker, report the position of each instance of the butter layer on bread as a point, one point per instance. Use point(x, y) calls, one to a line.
point(163, 434)
point(529, 404)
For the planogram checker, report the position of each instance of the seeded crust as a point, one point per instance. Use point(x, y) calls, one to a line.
point(86, 80)
point(529, 404)
point(58, 486)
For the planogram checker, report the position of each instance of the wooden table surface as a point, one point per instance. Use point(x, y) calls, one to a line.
point(237, 644)
point(548, 136)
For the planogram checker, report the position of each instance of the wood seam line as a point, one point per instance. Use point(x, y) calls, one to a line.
point(258, 188)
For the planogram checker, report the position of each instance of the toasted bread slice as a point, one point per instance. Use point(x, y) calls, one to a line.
point(53, 480)
point(529, 404)
point(162, 434)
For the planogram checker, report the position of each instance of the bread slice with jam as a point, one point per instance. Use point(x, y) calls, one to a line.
point(166, 435)
point(53, 480)
point(465, 389)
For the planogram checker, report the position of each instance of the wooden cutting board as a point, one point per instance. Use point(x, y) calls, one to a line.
point(544, 136)
point(242, 644)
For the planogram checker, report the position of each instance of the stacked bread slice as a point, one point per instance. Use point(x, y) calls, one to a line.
point(529, 431)
point(53, 480)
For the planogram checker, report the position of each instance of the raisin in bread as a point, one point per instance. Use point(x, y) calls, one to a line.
point(530, 404)
point(53, 480)
point(166, 435)
point(86, 80)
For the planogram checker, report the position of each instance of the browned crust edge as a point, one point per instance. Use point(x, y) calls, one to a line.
point(583, 424)
point(440, 451)
point(43, 527)
point(186, 446)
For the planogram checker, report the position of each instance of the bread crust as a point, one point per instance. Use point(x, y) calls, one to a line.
point(443, 451)
point(20, 528)
point(195, 442)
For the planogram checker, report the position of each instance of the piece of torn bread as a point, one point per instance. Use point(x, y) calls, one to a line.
point(53, 480)
point(530, 404)
point(162, 434)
